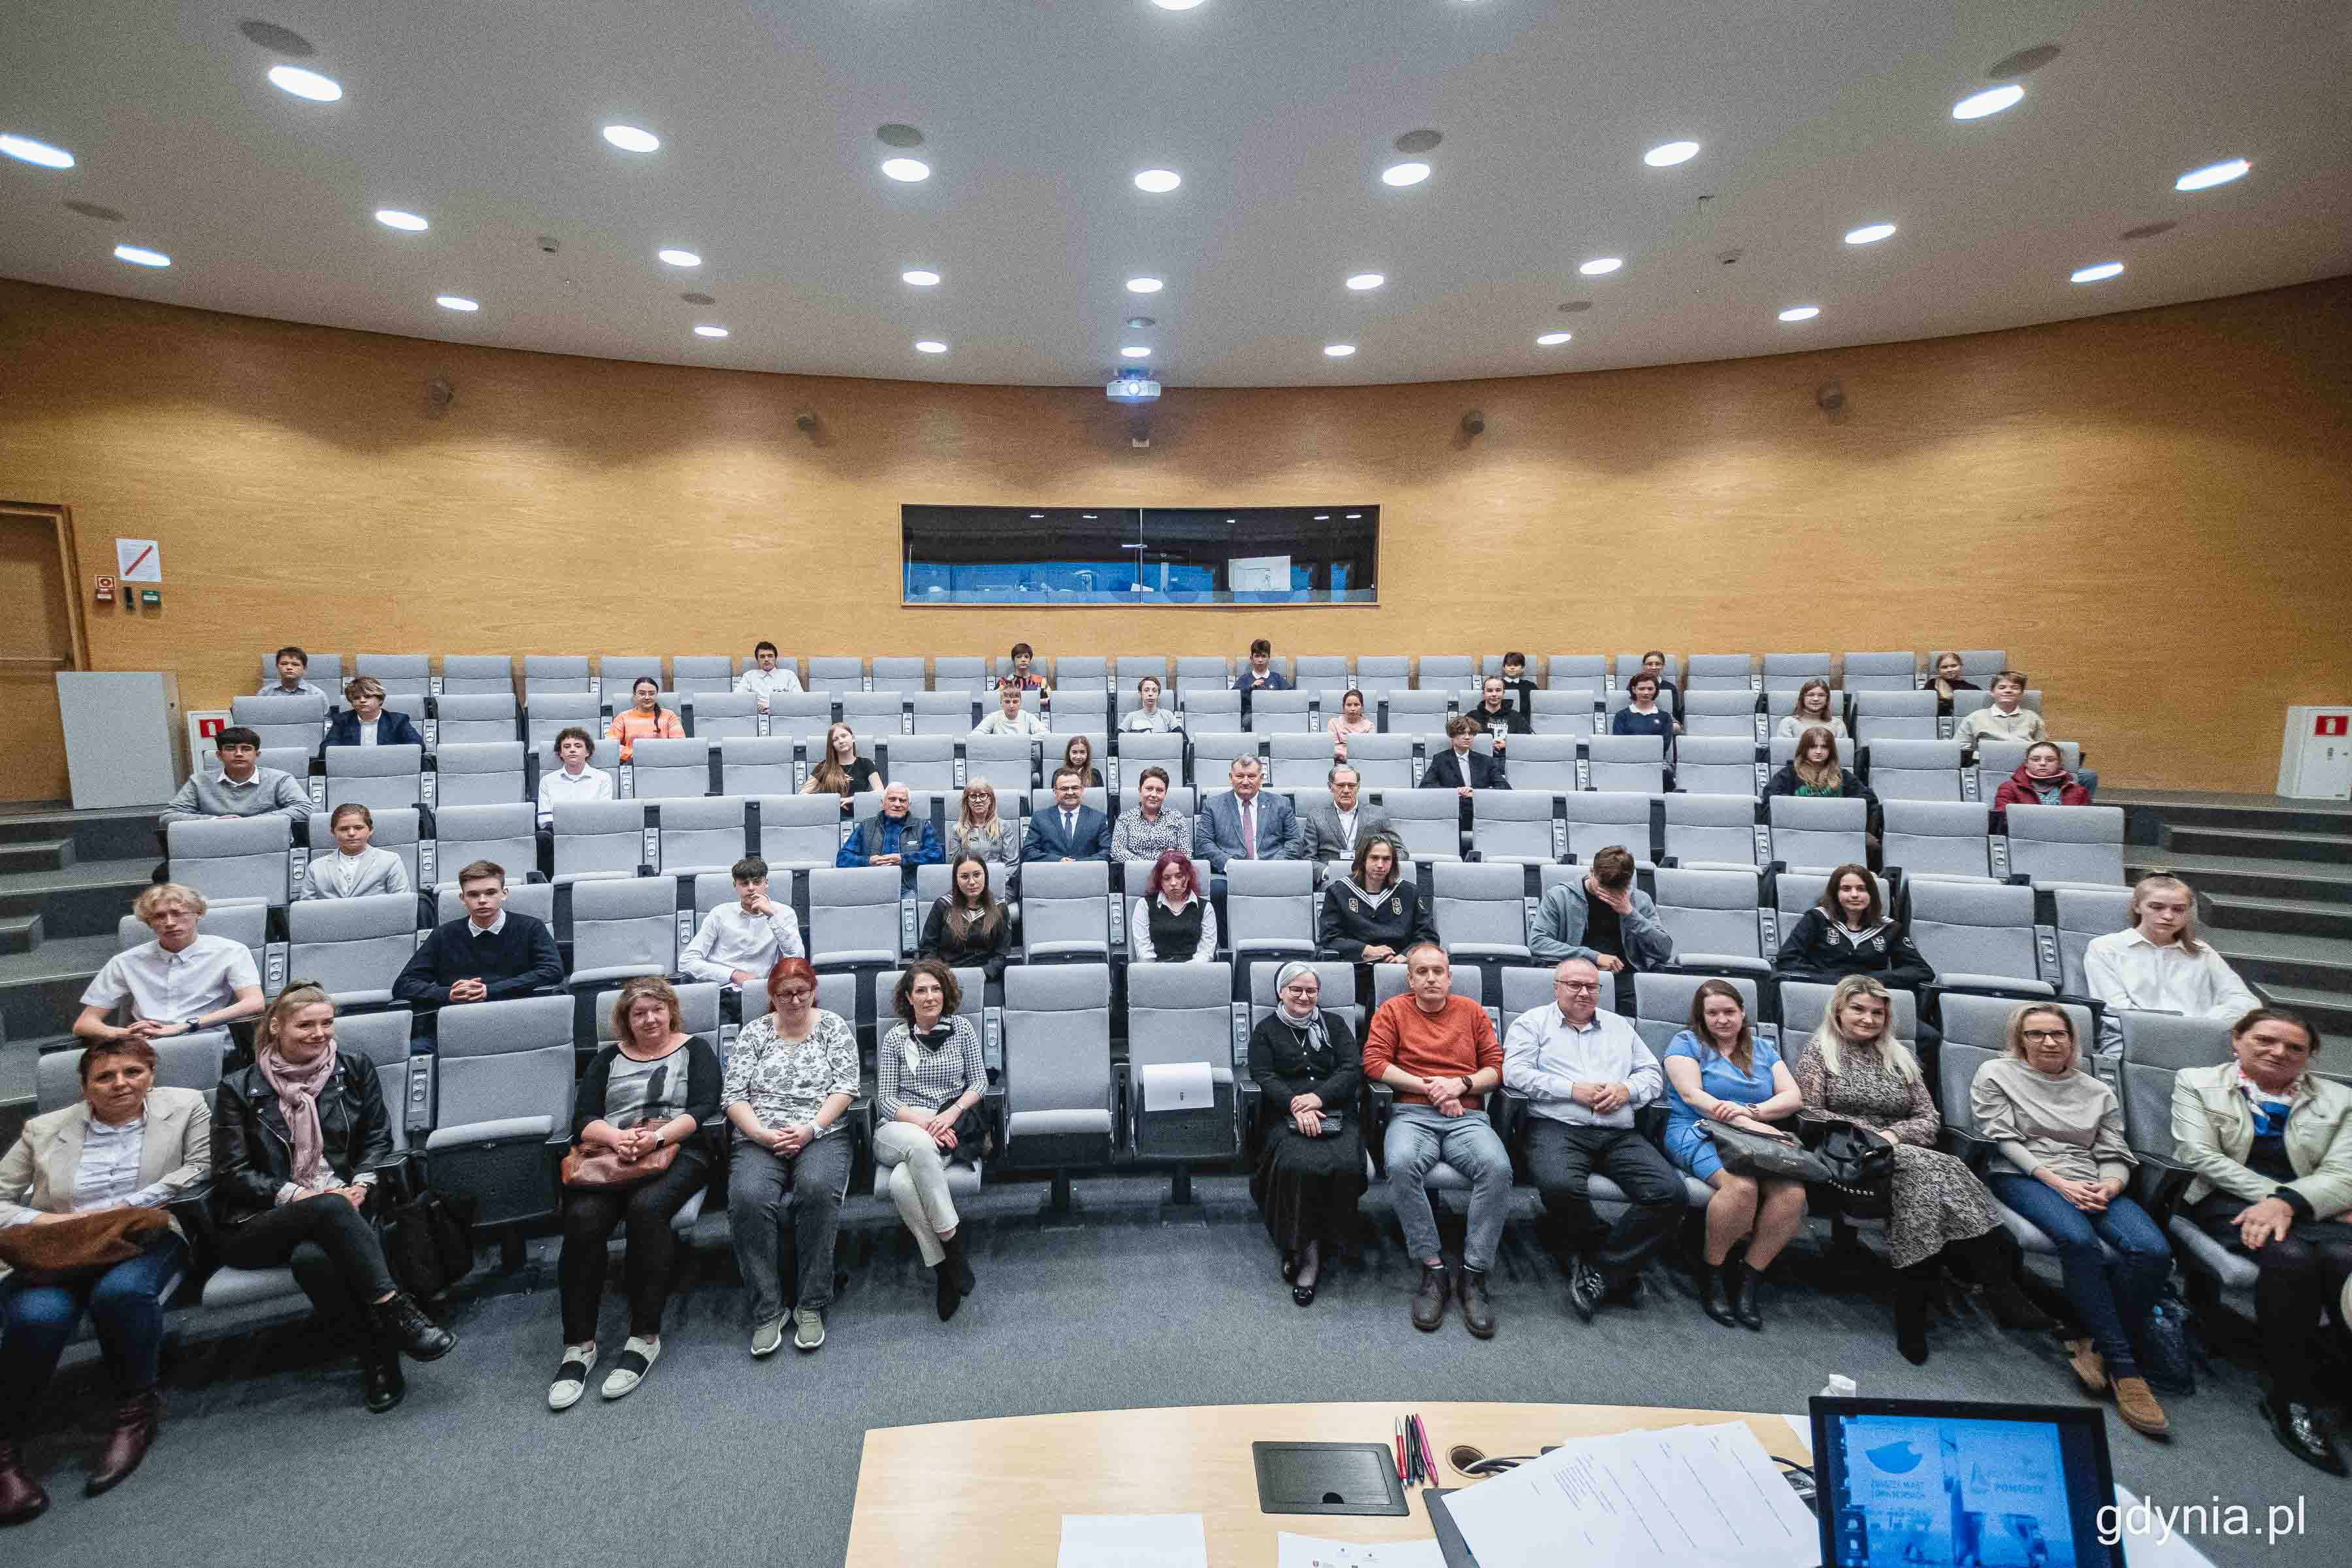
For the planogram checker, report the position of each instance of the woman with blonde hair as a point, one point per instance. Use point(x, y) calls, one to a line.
point(980, 830)
point(841, 770)
point(298, 1139)
point(1814, 707)
point(930, 1075)
point(1813, 770)
point(1854, 1069)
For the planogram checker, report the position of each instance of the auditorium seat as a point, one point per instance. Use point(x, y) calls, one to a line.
point(545, 717)
point(959, 672)
point(1405, 712)
point(233, 857)
point(951, 713)
point(467, 674)
point(1270, 909)
point(1391, 980)
point(622, 927)
point(1568, 672)
point(670, 769)
point(697, 1006)
point(1563, 710)
point(1131, 668)
point(326, 671)
point(1803, 1004)
point(1282, 712)
point(1323, 672)
point(554, 673)
point(1713, 672)
point(1445, 670)
point(1597, 819)
point(377, 777)
point(2085, 914)
point(1210, 707)
point(355, 948)
point(2054, 845)
point(760, 766)
point(1213, 752)
point(1057, 1073)
point(1782, 749)
point(598, 838)
point(1796, 669)
point(1661, 1004)
point(501, 833)
point(704, 834)
point(470, 720)
point(1065, 911)
point(1428, 821)
point(1376, 671)
point(901, 672)
point(1714, 917)
point(1081, 708)
point(1711, 830)
point(1996, 760)
point(879, 714)
point(1815, 832)
point(1979, 937)
point(1626, 763)
point(1895, 672)
point(1008, 762)
point(1914, 770)
point(487, 773)
point(406, 678)
point(618, 673)
point(283, 723)
point(852, 915)
point(1481, 911)
point(1137, 752)
point(1179, 1015)
point(1726, 713)
point(835, 673)
point(721, 715)
point(1711, 764)
point(1492, 664)
point(1894, 716)
point(503, 1077)
point(1514, 825)
point(1937, 839)
point(921, 762)
point(692, 674)
point(799, 712)
point(1543, 765)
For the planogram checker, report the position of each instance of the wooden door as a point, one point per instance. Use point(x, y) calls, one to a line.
point(37, 640)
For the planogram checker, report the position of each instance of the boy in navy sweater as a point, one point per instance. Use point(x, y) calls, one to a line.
point(491, 955)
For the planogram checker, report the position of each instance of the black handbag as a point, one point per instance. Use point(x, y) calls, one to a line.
point(1746, 1153)
point(1860, 1164)
point(975, 1135)
point(428, 1237)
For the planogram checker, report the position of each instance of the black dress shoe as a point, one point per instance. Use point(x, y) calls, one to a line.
point(1303, 1294)
point(1477, 1304)
point(1747, 1298)
point(2304, 1433)
point(1429, 1300)
point(380, 1371)
point(21, 1497)
point(401, 1322)
point(136, 1421)
point(1714, 1287)
point(1586, 1290)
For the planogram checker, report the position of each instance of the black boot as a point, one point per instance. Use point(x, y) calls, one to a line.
point(2302, 1431)
point(1993, 1261)
point(1747, 1299)
point(21, 1496)
point(402, 1324)
point(1714, 1288)
point(1911, 1286)
point(380, 1371)
point(960, 1264)
point(949, 1298)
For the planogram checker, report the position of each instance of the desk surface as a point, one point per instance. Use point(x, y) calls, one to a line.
point(980, 1493)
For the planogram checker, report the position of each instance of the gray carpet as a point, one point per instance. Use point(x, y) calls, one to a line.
point(266, 1456)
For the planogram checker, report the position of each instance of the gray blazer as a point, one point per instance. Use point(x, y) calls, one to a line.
point(1325, 841)
point(36, 1175)
point(382, 872)
point(1217, 835)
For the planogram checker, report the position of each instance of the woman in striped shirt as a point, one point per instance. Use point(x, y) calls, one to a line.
point(930, 1075)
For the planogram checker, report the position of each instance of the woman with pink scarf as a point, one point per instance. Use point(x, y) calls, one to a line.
point(297, 1140)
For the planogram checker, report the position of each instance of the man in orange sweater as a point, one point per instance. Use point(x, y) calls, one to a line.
point(1438, 1051)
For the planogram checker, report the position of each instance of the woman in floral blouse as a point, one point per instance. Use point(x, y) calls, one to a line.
point(789, 1080)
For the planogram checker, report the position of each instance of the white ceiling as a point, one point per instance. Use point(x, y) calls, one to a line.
point(1816, 116)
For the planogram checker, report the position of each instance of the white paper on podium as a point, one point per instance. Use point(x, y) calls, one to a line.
point(1178, 1085)
point(1133, 1540)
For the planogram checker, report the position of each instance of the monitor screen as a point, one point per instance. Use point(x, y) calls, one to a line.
point(1933, 1484)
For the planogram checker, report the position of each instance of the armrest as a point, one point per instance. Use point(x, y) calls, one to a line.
point(542, 1127)
point(1709, 963)
point(1992, 985)
point(1970, 1150)
point(2159, 1186)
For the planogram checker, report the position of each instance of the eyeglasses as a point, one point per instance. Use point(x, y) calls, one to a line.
point(2046, 1035)
point(1592, 985)
point(797, 993)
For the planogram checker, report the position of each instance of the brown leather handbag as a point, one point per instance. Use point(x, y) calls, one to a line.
point(56, 1252)
point(587, 1167)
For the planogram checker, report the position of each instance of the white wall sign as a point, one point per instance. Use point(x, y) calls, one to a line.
point(139, 560)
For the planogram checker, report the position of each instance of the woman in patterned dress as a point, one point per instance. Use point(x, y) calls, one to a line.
point(1855, 1068)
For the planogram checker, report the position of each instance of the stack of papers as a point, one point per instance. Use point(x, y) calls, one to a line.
point(1678, 1496)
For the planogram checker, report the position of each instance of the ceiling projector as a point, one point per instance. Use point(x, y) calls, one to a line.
point(1132, 387)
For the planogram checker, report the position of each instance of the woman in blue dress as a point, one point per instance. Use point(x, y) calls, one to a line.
point(1717, 1071)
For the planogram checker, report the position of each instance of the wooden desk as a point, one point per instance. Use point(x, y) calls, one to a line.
point(982, 1493)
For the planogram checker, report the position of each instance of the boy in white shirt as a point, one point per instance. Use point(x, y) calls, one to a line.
point(740, 942)
point(1011, 719)
point(766, 677)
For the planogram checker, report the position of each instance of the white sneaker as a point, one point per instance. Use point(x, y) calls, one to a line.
point(629, 1369)
point(572, 1375)
point(808, 1329)
point(769, 1336)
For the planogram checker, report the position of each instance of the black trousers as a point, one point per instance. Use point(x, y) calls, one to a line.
point(2302, 1272)
point(331, 1247)
point(1563, 1161)
point(643, 1213)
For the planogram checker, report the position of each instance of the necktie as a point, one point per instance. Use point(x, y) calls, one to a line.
point(1249, 828)
point(1465, 767)
point(1070, 828)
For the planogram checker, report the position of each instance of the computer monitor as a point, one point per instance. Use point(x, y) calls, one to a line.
point(1921, 1483)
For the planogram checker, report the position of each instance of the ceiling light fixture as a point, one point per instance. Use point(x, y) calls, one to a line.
point(907, 171)
point(679, 258)
point(710, 330)
point(1601, 265)
point(929, 346)
point(1144, 285)
point(1553, 340)
point(25, 150)
point(1176, 5)
point(140, 256)
point(407, 222)
point(1991, 100)
point(1135, 350)
point(920, 277)
point(1869, 234)
point(1673, 153)
point(1139, 323)
point(307, 84)
point(1159, 182)
point(1404, 173)
point(2211, 175)
point(456, 302)
point(2098, 273)
point(629, 139)
point(1363, 280)
point(1338, 351)
point(1801, 312)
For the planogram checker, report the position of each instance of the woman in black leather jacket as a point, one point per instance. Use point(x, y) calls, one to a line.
point(297, 1140)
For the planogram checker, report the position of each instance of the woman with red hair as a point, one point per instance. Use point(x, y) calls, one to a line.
point(1173, 923)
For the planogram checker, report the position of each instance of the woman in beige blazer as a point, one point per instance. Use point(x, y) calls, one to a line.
point(126, 1142)
point(2270, 1142)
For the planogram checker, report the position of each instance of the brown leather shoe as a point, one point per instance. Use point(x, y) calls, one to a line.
point(135, 1424)
point(21, 1499)
point(2090, 1366)
point(1477, 1303)
point(1429, 1301)
point(2136, 1403)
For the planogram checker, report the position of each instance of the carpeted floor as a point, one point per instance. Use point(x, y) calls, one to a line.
point(267, 1456)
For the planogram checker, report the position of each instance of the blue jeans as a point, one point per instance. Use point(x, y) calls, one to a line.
point(1418, 1139)
point(123, 1303)
point(2109, 1299)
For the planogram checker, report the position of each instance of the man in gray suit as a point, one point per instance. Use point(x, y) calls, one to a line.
point(1226, 821)
point(1334, 828)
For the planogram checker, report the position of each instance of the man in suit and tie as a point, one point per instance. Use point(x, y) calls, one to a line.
point(1333, 827)
point(1070, 829)
point(1247, 824)
point(1459, 768)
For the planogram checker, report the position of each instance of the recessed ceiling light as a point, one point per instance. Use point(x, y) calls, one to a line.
point(1159, 182)
point(1144, 285)
point(1991, 100)
point(1338, 351)
point(1673, 153)
point(1139, 322)
point(1035, 515)
point(2096, 274)
point(1354, 515)
point(456, 302)
point(1869, 234)
point(907, 171)
point(1135, 350)
point(1600, 264)
point(1176, 5)
point(679, 258)
point(140, 256)
point(929, 346)
point(307, 84)
point(1413, 143)
point(896, 135)
point(278, 40)
point(919, 278)
point(1801, 312)
point(27, 150)
point(629, 139)
point(1363, 280)
point(2211, 175)
point(1553, 340)
point(709, 329)
point(1404, 173)
point(392, 218)
point(1322, 517)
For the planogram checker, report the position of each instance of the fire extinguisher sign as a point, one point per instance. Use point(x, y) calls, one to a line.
point(2330, 723)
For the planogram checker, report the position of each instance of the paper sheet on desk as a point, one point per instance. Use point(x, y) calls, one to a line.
point(1675, 1496)
point(1178, 1085)
point(1307, 1551)
point(1133, 1540)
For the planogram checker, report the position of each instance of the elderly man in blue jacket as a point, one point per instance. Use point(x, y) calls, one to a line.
point(892, 837)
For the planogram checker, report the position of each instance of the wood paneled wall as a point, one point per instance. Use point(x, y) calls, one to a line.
point(2148, 510)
